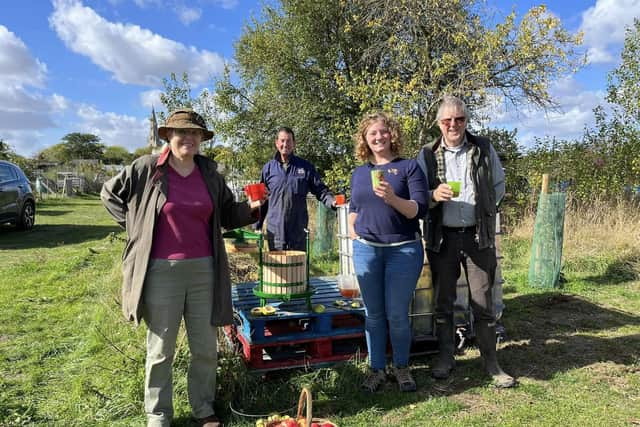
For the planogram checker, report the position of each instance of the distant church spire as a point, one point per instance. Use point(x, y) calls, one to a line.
point(153, 140)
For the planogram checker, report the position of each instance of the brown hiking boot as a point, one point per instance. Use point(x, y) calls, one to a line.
point(375, 378)
point(404, 378)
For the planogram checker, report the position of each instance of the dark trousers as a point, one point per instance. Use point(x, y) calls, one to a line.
point(460, 248)
point(277, 243)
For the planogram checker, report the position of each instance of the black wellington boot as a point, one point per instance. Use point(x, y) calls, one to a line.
point(446, 344)
point(486, 336)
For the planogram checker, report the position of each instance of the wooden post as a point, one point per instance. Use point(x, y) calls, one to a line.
point(545, 183)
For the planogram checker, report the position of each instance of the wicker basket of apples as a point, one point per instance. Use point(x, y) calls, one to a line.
point(303, 418)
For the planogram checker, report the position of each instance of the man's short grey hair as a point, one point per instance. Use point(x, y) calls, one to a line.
point(452, 101)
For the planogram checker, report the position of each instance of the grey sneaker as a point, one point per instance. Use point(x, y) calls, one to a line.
point(375, 378)
point(404, 378)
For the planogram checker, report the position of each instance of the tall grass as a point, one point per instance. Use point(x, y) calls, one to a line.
point(595, 234)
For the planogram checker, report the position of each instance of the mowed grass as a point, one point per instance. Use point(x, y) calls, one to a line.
point(68, 357)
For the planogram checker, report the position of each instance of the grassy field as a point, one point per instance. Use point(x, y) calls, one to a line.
point(68, 358)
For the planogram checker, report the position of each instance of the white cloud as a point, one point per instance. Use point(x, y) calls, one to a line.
point(575, 112)
point(187, 15)
point(214, 27)
point(24, 110)
point(227, 4)
point(112, 128)
point(17, 66)
point(26, 142)
point(59, 103)
point(17, 99)
point(151, 98)
point(145, 3)
point(133, 55)
point(20, 109)
point(604, 26)
point(23, 120)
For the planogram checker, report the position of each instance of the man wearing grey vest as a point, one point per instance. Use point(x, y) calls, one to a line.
point(466, 183)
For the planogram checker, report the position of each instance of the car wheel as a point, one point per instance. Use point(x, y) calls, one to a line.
point(27, 216)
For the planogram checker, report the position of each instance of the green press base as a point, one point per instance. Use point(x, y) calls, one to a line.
point(288, 297)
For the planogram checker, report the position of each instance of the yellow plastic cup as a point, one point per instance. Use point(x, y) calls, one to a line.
point(455, 187)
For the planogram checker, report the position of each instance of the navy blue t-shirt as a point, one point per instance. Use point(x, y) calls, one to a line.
point(377, 221)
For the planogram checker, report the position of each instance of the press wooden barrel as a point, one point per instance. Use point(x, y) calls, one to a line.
point(284, 272)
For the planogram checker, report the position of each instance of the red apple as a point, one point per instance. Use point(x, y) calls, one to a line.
point(315, 425)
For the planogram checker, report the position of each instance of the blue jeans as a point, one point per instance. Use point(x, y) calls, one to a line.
point(387, 277)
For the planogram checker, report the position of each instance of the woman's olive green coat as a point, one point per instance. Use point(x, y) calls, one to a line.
point(135, 198)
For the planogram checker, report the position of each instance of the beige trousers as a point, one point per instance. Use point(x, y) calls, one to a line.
point(176, 289)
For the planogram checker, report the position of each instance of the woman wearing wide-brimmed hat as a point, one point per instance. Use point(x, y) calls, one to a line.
point(173, 206)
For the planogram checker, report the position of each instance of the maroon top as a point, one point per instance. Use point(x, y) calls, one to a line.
point(183, 228)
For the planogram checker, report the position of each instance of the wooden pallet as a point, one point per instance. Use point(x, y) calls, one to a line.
point(293, 321)
point(316, 352)
point(294, 337)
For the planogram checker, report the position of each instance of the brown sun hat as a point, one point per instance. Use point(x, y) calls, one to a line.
point(185, 119)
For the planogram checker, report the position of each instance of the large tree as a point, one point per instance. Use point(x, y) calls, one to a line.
point(605, 162)
point(117, 155)
point(142, 151)
point(624, 82)
point(317, 66)
point(511, 155)
point(73, 146)
point(82, 146)
point(54, 153)
point(7, 153)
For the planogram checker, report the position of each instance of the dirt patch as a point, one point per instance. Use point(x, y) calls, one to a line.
point(474, 404)
point(612, 374)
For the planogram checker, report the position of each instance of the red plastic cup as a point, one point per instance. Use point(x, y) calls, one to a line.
point(340, 199)
point(256, 191)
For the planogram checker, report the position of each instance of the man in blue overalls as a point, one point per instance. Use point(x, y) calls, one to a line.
point(289, 179)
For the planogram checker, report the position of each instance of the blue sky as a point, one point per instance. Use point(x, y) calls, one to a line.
point(96, 66)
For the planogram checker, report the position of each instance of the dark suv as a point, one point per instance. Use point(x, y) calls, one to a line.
point(17, 204)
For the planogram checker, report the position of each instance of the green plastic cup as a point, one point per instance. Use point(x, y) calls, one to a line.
point(377, 176)
point(455, 187)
